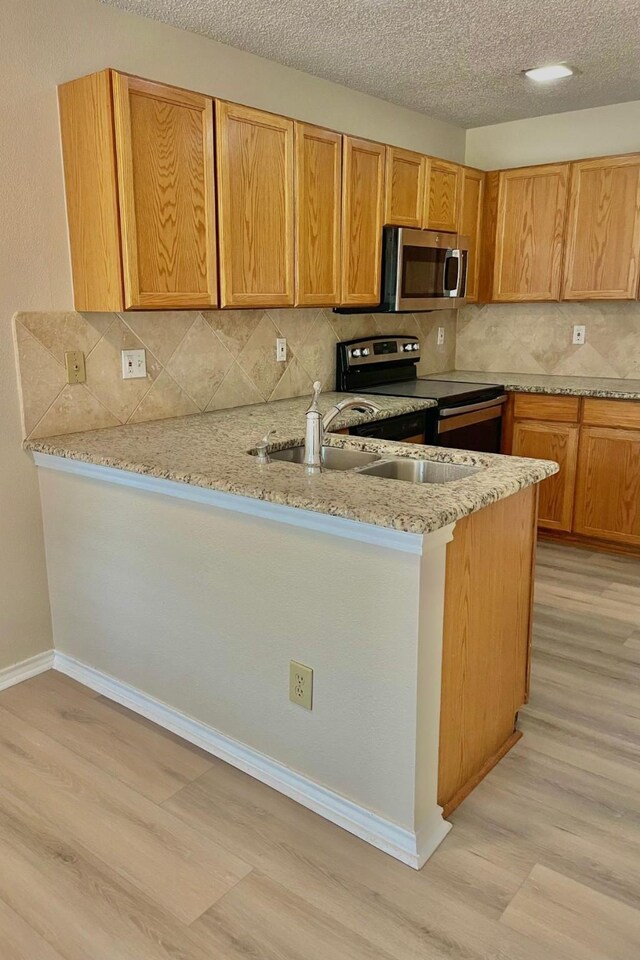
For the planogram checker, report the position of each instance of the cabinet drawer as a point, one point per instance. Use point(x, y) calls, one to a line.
point(531, 406)
point(612, 413)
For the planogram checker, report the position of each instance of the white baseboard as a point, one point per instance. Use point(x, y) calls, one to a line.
point(26, 669)
point(409, 847)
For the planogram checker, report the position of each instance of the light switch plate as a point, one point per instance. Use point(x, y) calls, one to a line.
point(281, 349)
point(300, 684)
point(134, 364)
point(440, 336)
point(74, 363)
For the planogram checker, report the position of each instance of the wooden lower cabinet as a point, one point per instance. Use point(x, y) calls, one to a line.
point(487, 623)
point(608, 489)
point(551, 441)
point(594, 500)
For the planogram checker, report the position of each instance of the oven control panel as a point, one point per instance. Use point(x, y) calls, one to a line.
point(381, 350)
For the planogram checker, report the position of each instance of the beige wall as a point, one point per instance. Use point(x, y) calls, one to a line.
point(42, 45)
point(212, 570)
point(536, 338)
point(559, 136)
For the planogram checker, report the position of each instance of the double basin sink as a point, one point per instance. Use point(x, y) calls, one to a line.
point(372, 465)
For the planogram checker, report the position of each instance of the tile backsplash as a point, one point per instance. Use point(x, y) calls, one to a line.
point(536, 338)
point(196, 361)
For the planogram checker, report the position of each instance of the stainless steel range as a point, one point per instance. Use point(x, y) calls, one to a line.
point(468, 416)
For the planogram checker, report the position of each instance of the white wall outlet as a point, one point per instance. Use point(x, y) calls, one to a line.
point(281, 349)
point(300, 684)
point(579, 333)
point(134, 364)
point(440, 336)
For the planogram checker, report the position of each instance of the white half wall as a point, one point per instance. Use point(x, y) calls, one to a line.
point(201, 609)
point(559, 136)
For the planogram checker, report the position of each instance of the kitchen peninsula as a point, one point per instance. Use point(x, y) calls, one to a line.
point(410, 602)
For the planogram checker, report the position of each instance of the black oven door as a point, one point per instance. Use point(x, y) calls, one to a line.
point(476, 426)
point(410, 428)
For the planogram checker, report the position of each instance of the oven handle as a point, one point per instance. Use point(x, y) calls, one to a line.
point(472, 407)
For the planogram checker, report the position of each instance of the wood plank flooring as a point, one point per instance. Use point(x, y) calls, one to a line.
point(119, 841)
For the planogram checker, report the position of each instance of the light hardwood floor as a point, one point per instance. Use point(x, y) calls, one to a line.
point(118, 841)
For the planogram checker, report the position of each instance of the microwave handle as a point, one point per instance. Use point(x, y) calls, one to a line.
point(454, 255)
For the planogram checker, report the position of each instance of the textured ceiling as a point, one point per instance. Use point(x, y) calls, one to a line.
point(449, 59)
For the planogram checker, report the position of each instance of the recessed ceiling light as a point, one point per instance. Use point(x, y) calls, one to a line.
point(553, 72)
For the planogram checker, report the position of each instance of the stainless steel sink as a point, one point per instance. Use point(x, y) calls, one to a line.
point(419, 471)
point(333, 458)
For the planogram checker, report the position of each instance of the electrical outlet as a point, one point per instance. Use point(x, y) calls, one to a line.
point(579, 334)
point(440, 336)
point(74, 363)
point(134, 364)
point(281, 349)
point(300, 684)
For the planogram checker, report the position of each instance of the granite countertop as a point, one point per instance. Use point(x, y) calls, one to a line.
point(211, 450)
point(549, 383)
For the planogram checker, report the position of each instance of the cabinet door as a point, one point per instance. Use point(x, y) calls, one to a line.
point(608, 493)
point(362, 216)
point(551, 441)
point(405, 185)
point(603, 242)
point(470, 224)
point(164, 146)
point(255, 184)
point(529, 233)
point(443, 195)
point(318, 199)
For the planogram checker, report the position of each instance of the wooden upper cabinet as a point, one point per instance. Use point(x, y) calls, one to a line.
point(551, 441)
point(603, 235)
point(608, 493)
point(255, 207)
point(318, 175)
point(443, 196)
point(529, 225)
point(363, 177)
point(405, 186)
point(142, 230)
point(471, 223)
point(164, 147)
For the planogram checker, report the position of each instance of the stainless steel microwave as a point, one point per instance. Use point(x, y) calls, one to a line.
point(423, 270)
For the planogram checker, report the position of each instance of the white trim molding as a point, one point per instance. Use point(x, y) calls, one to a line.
point(400, 540)
point(412, 848)
point(26, 669)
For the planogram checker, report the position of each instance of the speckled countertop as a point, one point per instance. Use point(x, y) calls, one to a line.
point(212, 450)
point(549, 383)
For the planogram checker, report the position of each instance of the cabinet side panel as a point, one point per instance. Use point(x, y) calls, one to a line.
point(488, 237)
point(487, 624)
point(470, 225)
point(86, 126)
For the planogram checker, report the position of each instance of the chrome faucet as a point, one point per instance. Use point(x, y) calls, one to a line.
point(317, 424)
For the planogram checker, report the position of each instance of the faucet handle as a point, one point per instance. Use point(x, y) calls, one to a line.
point(313, 407)
point(261, 448)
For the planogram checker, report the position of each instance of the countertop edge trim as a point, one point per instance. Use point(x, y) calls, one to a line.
point(402, 541)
